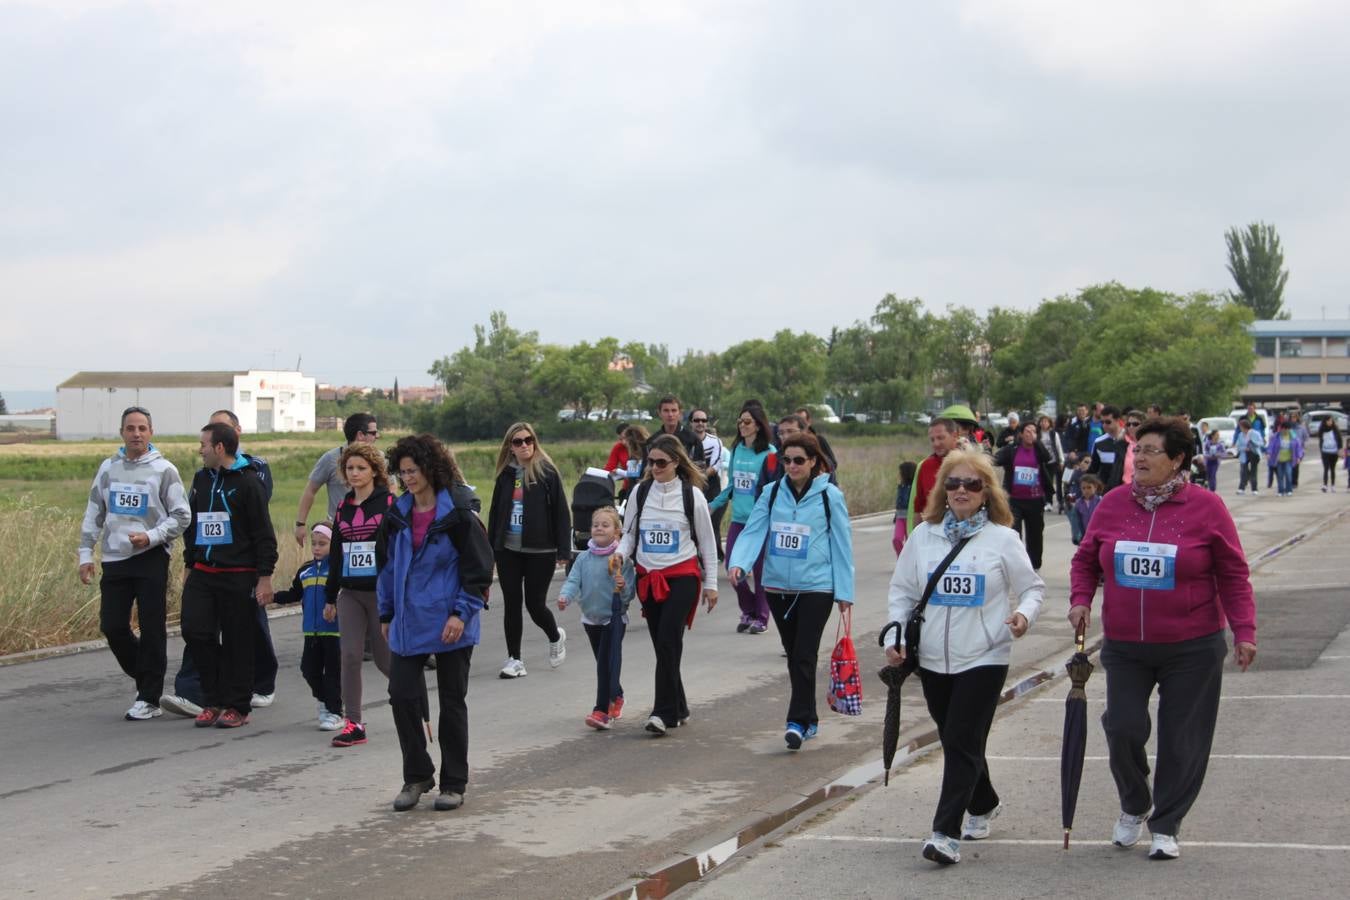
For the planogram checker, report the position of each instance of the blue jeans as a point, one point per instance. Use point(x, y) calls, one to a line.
point(1284, 472)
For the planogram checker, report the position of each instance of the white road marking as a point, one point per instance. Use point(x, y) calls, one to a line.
point(1249, 756)
point(1058, 842)
point(1226, 698)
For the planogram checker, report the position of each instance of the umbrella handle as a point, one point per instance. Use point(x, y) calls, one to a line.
point(881, 638)
point(1080, 641)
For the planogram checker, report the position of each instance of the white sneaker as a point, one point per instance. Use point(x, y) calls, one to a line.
point(512, 668)
point(180, 706)
point(977, 827)
point(140, 710)
point(329, 721)
point(1241, 492)
point(1164, 847)
point(1129, 829)
point(1324, 488)
point(261, 700)
point(942, 849)
point(557, 651)
point(656, 726)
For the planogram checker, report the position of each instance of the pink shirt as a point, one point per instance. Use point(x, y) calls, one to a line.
point(1026, 466)
point(421, 521)
point(1211, 584)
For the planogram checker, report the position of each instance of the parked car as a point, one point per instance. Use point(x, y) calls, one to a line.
point(1313, 419)
point(1240, 411)
point(1227, 427)
point(567, 415)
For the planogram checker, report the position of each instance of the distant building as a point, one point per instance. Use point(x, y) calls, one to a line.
point(1300, 359)
point(89, 404)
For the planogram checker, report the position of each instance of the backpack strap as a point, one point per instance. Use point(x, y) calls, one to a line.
point(687, 495)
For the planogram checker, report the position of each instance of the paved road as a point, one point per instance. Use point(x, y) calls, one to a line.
point(98, 806)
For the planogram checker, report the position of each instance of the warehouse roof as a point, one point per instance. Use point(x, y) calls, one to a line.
point(1333, 328)
point(150, 380)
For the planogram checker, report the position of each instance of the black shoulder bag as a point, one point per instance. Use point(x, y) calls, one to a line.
point(914, 623)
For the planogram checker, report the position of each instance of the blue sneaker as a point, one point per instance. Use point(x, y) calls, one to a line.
point(812, 730)
point(794, 734)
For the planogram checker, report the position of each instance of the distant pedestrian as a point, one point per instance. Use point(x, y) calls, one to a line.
point(359, 428)
point(1331, 443)
point(903, 488)
point(1249, 446)
point(1173, 573)
point(1029, 483)
point(1049, 439)
point(804, 413)
point(1086, 505)
point(987, 596)
point(321, 659)
point(668, 408)
point(753, 463)
point(714, 467)
point(1285, 449)
point(435, 566)
point(530, 530)
point(598, 578)
point(137, 506)
point(625, 458)
point(1109, 451)
point(802, 523)
point(1214, 450)
point(668, 534)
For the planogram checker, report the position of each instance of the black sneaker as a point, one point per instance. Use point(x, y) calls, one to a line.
point(411, 793)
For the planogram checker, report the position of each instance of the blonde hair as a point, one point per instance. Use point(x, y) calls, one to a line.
point(534, 469)
point(612, 513)
point(373, 458)
point(995, 501)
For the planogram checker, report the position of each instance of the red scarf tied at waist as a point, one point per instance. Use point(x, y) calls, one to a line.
point(654, 584)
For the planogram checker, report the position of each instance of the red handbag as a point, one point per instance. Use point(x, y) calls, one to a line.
point(845, 695)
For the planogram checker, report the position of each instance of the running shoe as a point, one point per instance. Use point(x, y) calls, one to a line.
point(656, 726)
point(207, 717)
point(351, 735)
point(512, 668)
point(329, 721)
point(231, 718)
point(557, 650)
point(1129, 829)
point(743, 628)
point(977, 827)
point(140, 711)
point(179, 706)
point(757, 628)
point(616, 708)
point(794, 735)
point(942, 849)
point(812, 730)
point(598, 720)
point(1164, 847)
point(411, 793)
point(260, 701)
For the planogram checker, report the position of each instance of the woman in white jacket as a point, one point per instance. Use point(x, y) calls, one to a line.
point(987, 596)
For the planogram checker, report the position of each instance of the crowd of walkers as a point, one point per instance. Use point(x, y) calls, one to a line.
point(403, 578)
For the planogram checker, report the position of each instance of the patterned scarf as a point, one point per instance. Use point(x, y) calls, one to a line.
point(955, 529)
point(1150, 498)
point(601, 551)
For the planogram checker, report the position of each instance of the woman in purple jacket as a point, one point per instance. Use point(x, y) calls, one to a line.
point(1173, 570)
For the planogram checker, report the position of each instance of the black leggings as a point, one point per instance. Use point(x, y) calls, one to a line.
point(1328, 469)
point(963, 707)
point(525, 577)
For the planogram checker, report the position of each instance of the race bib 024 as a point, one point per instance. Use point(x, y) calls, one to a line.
point(359, 560)
point(1148, 567)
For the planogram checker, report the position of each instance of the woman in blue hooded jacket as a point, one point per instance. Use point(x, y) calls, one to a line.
point(435, 566)
point(754, 463)
point(800, 523)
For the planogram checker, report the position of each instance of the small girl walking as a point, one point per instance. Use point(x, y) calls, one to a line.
point(604, 584)
point(321, 661)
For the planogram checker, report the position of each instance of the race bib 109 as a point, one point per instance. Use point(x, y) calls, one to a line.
point(958, 588)
point(789, 540)
point(1148, 567)
point(359, 561)
point(128, 499)
point(213, 528)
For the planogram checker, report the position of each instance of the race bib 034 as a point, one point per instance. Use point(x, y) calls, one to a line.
point(1148, 567)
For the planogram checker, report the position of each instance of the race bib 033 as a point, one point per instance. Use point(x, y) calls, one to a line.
point(958, 588)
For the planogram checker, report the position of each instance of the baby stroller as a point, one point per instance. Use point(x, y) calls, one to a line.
point(594, 490)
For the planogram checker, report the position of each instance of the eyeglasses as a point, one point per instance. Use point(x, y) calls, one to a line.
point(658, 462)
point(796, 460)
point(522, 441)
point(974, 485)
point(700, 421)
point(372, 433)
point(1149, 451)
point(745, 421)
point(405, 474)
point(1132, 424)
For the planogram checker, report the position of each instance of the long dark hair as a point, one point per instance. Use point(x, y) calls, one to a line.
point(820, 463)
point(428, 454)
point(756, 412)
point(671, 446)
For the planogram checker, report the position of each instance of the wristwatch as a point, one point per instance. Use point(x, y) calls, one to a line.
point(301, 524)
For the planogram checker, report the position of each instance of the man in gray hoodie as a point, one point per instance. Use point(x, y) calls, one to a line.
point(138, 506)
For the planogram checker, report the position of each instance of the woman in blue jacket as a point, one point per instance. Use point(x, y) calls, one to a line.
point(801, 524)
point(753, 463)
point(435, 566)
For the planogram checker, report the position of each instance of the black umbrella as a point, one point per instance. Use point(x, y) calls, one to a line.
point(1075, 733)
point(893, 677)
point(612, 633)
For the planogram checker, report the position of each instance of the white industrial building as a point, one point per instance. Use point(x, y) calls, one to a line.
point(90, 404)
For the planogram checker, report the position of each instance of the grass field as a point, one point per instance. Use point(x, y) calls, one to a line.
point(44, 486)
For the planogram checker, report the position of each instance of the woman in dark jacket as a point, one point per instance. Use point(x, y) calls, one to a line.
point(530, 530)
point(435, 568)
point(1028, 479)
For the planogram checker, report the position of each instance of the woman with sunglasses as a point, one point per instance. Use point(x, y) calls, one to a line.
point(801, 524)
point(668, 534)
point(1173, 572)
point(530, 530)
point(753, 464)
point(988, 595)
point(1028, 478)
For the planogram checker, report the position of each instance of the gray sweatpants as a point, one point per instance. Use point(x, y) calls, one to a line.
point(358, 617)
point(1188, 675)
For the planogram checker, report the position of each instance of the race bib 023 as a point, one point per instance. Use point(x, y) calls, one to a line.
point(1148, 567)
point(660, 537)
point(958, 588)
point(789, 540)
point(359, 560)
point(213, 529)
point(128, 499)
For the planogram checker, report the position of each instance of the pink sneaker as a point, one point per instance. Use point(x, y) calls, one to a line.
point(616, 708)
point(598, 720)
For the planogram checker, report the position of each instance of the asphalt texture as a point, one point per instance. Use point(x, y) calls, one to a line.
point(96, 806)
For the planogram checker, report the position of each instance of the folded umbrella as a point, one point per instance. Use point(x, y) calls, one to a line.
point(893, 677)
point(1074, 744)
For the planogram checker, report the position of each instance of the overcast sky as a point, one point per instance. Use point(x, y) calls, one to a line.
point(227, 185)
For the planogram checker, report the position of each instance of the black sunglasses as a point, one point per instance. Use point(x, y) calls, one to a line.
point(522, 441)
point(796, 460)
point(374, 433)
point(974, 485)
point(698, 420)
point(656, 463)
point(1132, 424)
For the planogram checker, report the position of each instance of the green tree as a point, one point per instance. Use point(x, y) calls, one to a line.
point(1256, 262)
point(781, 373)
point(489, 385)
point(4, 410)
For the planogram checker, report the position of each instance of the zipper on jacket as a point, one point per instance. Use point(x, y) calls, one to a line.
point(1148, 539)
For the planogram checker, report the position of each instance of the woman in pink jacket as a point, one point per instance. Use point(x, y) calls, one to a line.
point(1173, 574)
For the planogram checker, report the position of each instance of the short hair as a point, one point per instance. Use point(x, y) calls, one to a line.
point(373, 459)
point(820, 463)
point(136, 409)
point(1094, 481)
point(1111, 411)
point(669, 398)
point(222, 434)
point(947, 425)
point(803, 409)
point(1176, 435)
point(229, 414)
point(608, 511)
point(356, 423)
point(794, 419)
point(995, 501)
